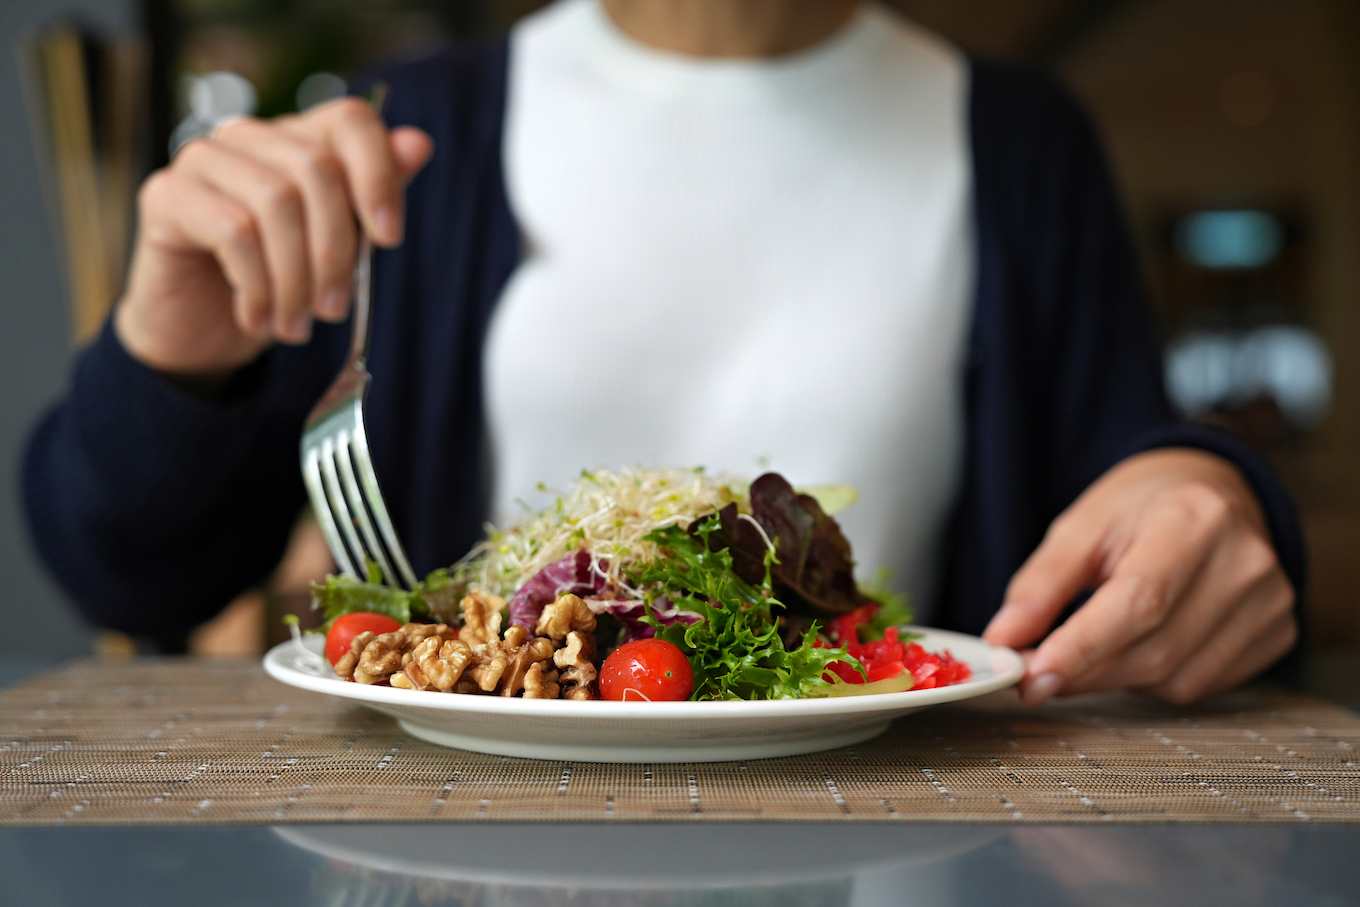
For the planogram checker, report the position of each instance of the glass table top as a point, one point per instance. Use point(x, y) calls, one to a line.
point(617, 865)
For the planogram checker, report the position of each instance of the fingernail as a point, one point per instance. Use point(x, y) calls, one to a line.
point(300, 328)
point(333, 302)
point(1042, 688)
point(387, 225)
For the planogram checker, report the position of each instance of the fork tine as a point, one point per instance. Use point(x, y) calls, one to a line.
point(311, 476)
point(356, 506)
point(369, 479)
point(337, 501)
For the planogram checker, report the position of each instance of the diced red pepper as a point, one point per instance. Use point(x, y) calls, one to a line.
point(845, 629)
point(889, 656)
point(844, 671)
point(882, 670)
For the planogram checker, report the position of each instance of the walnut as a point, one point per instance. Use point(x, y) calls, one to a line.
point(568, 613)
point(381, 657)
point(574, 660)
point(345, 666)
point(522, 657)
point(438, 663)
point(514, 638)
point(478, 659)
point(481, 618)
point(412, 675)
point(489, 662)
point(581, 691)
point(540, 682)
point(416, 634)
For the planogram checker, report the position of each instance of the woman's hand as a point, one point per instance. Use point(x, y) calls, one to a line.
point(248, 236)
point(1189, 596)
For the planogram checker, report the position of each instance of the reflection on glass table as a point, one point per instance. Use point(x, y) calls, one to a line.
point(507, 865)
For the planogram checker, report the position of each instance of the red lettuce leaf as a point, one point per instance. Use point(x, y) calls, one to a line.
point(815, 572)
point(742, 539)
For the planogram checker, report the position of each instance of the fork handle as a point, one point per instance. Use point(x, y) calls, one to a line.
point(363, 308)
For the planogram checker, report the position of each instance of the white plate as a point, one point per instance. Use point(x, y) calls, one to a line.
point(648, 731)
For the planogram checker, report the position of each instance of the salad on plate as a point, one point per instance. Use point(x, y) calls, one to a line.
point(657, 584)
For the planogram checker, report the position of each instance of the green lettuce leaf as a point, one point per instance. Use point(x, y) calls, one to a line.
point(434, 599)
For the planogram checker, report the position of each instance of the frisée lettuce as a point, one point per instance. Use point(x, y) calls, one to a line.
point(735, 648)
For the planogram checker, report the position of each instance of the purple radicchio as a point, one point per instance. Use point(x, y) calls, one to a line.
point(573, 573)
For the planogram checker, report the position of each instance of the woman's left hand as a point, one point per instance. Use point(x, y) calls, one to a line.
point(1189, 596)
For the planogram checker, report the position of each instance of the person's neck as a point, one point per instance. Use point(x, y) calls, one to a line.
point(730, 28)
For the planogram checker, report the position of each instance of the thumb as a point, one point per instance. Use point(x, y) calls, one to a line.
point(1066, 561)
point(412, 149)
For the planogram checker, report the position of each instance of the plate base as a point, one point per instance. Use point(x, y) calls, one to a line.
point(729, 749)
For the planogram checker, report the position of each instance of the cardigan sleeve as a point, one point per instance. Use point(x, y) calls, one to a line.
point(153, 507)
point(1063, 378)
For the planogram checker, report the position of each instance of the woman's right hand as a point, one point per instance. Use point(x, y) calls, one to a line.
point(248, 236)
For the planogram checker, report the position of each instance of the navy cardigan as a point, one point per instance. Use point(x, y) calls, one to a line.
point(154, 508)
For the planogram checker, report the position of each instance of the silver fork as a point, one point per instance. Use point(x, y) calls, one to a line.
point(336, 466)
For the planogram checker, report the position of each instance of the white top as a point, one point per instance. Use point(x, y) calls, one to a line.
point(740, 264)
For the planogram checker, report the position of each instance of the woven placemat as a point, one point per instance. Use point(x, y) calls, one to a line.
point(168, 742)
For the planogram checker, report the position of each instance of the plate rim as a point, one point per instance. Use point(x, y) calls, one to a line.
point(1007, 667)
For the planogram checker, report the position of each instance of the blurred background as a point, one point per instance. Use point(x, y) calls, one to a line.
point(1233, 127)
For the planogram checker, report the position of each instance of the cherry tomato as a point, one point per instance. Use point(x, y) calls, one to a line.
point(348, 626)
point(650, 669)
